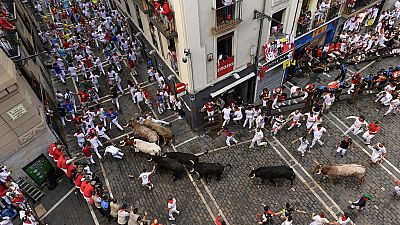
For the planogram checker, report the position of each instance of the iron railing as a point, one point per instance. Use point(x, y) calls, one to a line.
point(357, 5)
point(9, 43)
point(228, 15)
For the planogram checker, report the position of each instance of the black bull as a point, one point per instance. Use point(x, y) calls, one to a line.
point(206, 170)
point(272, 172)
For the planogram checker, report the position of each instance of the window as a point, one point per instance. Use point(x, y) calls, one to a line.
point(127, 8)
point(276, 27)
point(139, 18)
point(224, 46)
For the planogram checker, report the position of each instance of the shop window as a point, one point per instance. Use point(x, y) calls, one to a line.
point(276, 23)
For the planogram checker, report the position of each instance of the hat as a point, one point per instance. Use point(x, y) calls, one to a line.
point(370, 197)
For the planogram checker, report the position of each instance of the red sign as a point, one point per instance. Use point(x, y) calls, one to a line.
point(181, 87)
point(225, 66)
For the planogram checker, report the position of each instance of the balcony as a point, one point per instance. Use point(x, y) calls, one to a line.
point(9, 43)
point(9, 6)
point(165, 24)
point(303, 28)
point(321, 18)
point(144, 5)
point(227, 17)
point(352, 7)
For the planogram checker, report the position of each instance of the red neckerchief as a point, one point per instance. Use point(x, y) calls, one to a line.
point(344, 218)
point(171, 201)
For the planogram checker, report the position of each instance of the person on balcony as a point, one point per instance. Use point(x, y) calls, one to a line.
point(168, 17)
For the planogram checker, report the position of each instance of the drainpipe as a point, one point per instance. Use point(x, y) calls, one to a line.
point(255, 66)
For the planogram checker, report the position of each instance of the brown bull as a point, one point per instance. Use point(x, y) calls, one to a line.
point(341, 170)
point(163, 132)
point(143, 132)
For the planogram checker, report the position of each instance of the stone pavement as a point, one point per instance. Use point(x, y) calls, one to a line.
point(237, 196)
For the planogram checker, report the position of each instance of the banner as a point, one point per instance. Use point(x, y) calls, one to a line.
point(225, 66)
point(274, 49)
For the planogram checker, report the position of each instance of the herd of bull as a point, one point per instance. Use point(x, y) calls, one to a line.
point(149, 134)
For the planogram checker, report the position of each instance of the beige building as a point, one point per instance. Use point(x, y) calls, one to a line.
point(24, 133)
point(23, 130)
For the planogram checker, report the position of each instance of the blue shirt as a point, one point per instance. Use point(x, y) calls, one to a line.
point(105, 204)
point(112, 115)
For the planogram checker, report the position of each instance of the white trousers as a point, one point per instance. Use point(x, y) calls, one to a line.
point(354, 129)
point(367, 137)
point(229, 139)
point(250, 120)
point(315, 140)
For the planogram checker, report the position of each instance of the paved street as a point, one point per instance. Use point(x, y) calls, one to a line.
point(237, 197)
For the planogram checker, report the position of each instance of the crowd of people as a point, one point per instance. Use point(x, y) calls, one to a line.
point(90, 41)
point(14, 202)
point(83, 33)
point(363, 36)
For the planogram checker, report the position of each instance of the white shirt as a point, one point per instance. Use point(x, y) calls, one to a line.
point(395, 103)
point(111, 149)
point(344, 222)
point(303, 144)
point(296, 117)
point(72, 70)
point(139, 96)
point(238, 114)
point(227, 2)
point(311, 118)
point(328, 100)
point(227, 113)
point(249, 113)
point(100, 131)
point(294, 89)
point(318, 133)
point(286, 222)
point(357, 123)
point(145, 177)
point(259, 135)
point(172, 205)
point(80, 137)
point(317, 220)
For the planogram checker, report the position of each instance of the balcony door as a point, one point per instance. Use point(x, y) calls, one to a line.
point(225, 46)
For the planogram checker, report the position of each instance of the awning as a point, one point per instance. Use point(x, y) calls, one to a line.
point(230, 86)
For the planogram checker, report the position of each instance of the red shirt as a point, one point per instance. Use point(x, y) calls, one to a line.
point(78, 180)
point(84, 96)
point(51, 149)
point(88, 190)
point(86, 151)
point(69, 170)
point(62, 162)
point(83, 185)
point(209, 107)
point(56, 153)
point(319, 52)
point(373, 128)
point(77, 120)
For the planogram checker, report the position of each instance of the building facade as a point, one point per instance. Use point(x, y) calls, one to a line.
point(24, 88)
point(212, 46)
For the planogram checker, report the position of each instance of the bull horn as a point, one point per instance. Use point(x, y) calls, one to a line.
point(316, 161)
point(254, 175)
point(192, 170)
point(127, 125)
point(252, 168)
point(123, 143)
point(150, 159)
point(192, 162)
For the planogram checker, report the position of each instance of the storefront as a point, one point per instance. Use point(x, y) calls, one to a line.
point(272, 74)
point(319, 36)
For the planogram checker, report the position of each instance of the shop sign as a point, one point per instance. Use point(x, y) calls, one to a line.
point(225, 66)
point(279, 60)
point(17, 112)
point(319, 31)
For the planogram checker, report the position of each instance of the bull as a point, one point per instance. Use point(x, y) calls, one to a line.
point(141, 146)
point(163, 132)
point(341, 170)
point(184, 158)
point(272, 172)
point(168, 164)
point(206, 170)
point(143, 132)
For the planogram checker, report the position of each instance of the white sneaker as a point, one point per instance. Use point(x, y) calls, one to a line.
point(171, 219)
point(177, 212)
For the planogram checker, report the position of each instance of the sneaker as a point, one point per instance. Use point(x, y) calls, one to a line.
point(302, 154)
point(250, 146)
point(171, 219)
point(177, 212)
point(321, 143)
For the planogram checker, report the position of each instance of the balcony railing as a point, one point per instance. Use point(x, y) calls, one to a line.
point(9, 6)
point(352, 7)
point(9, 43)
point(303, 28)
point(165, 24)
point(227, 17)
